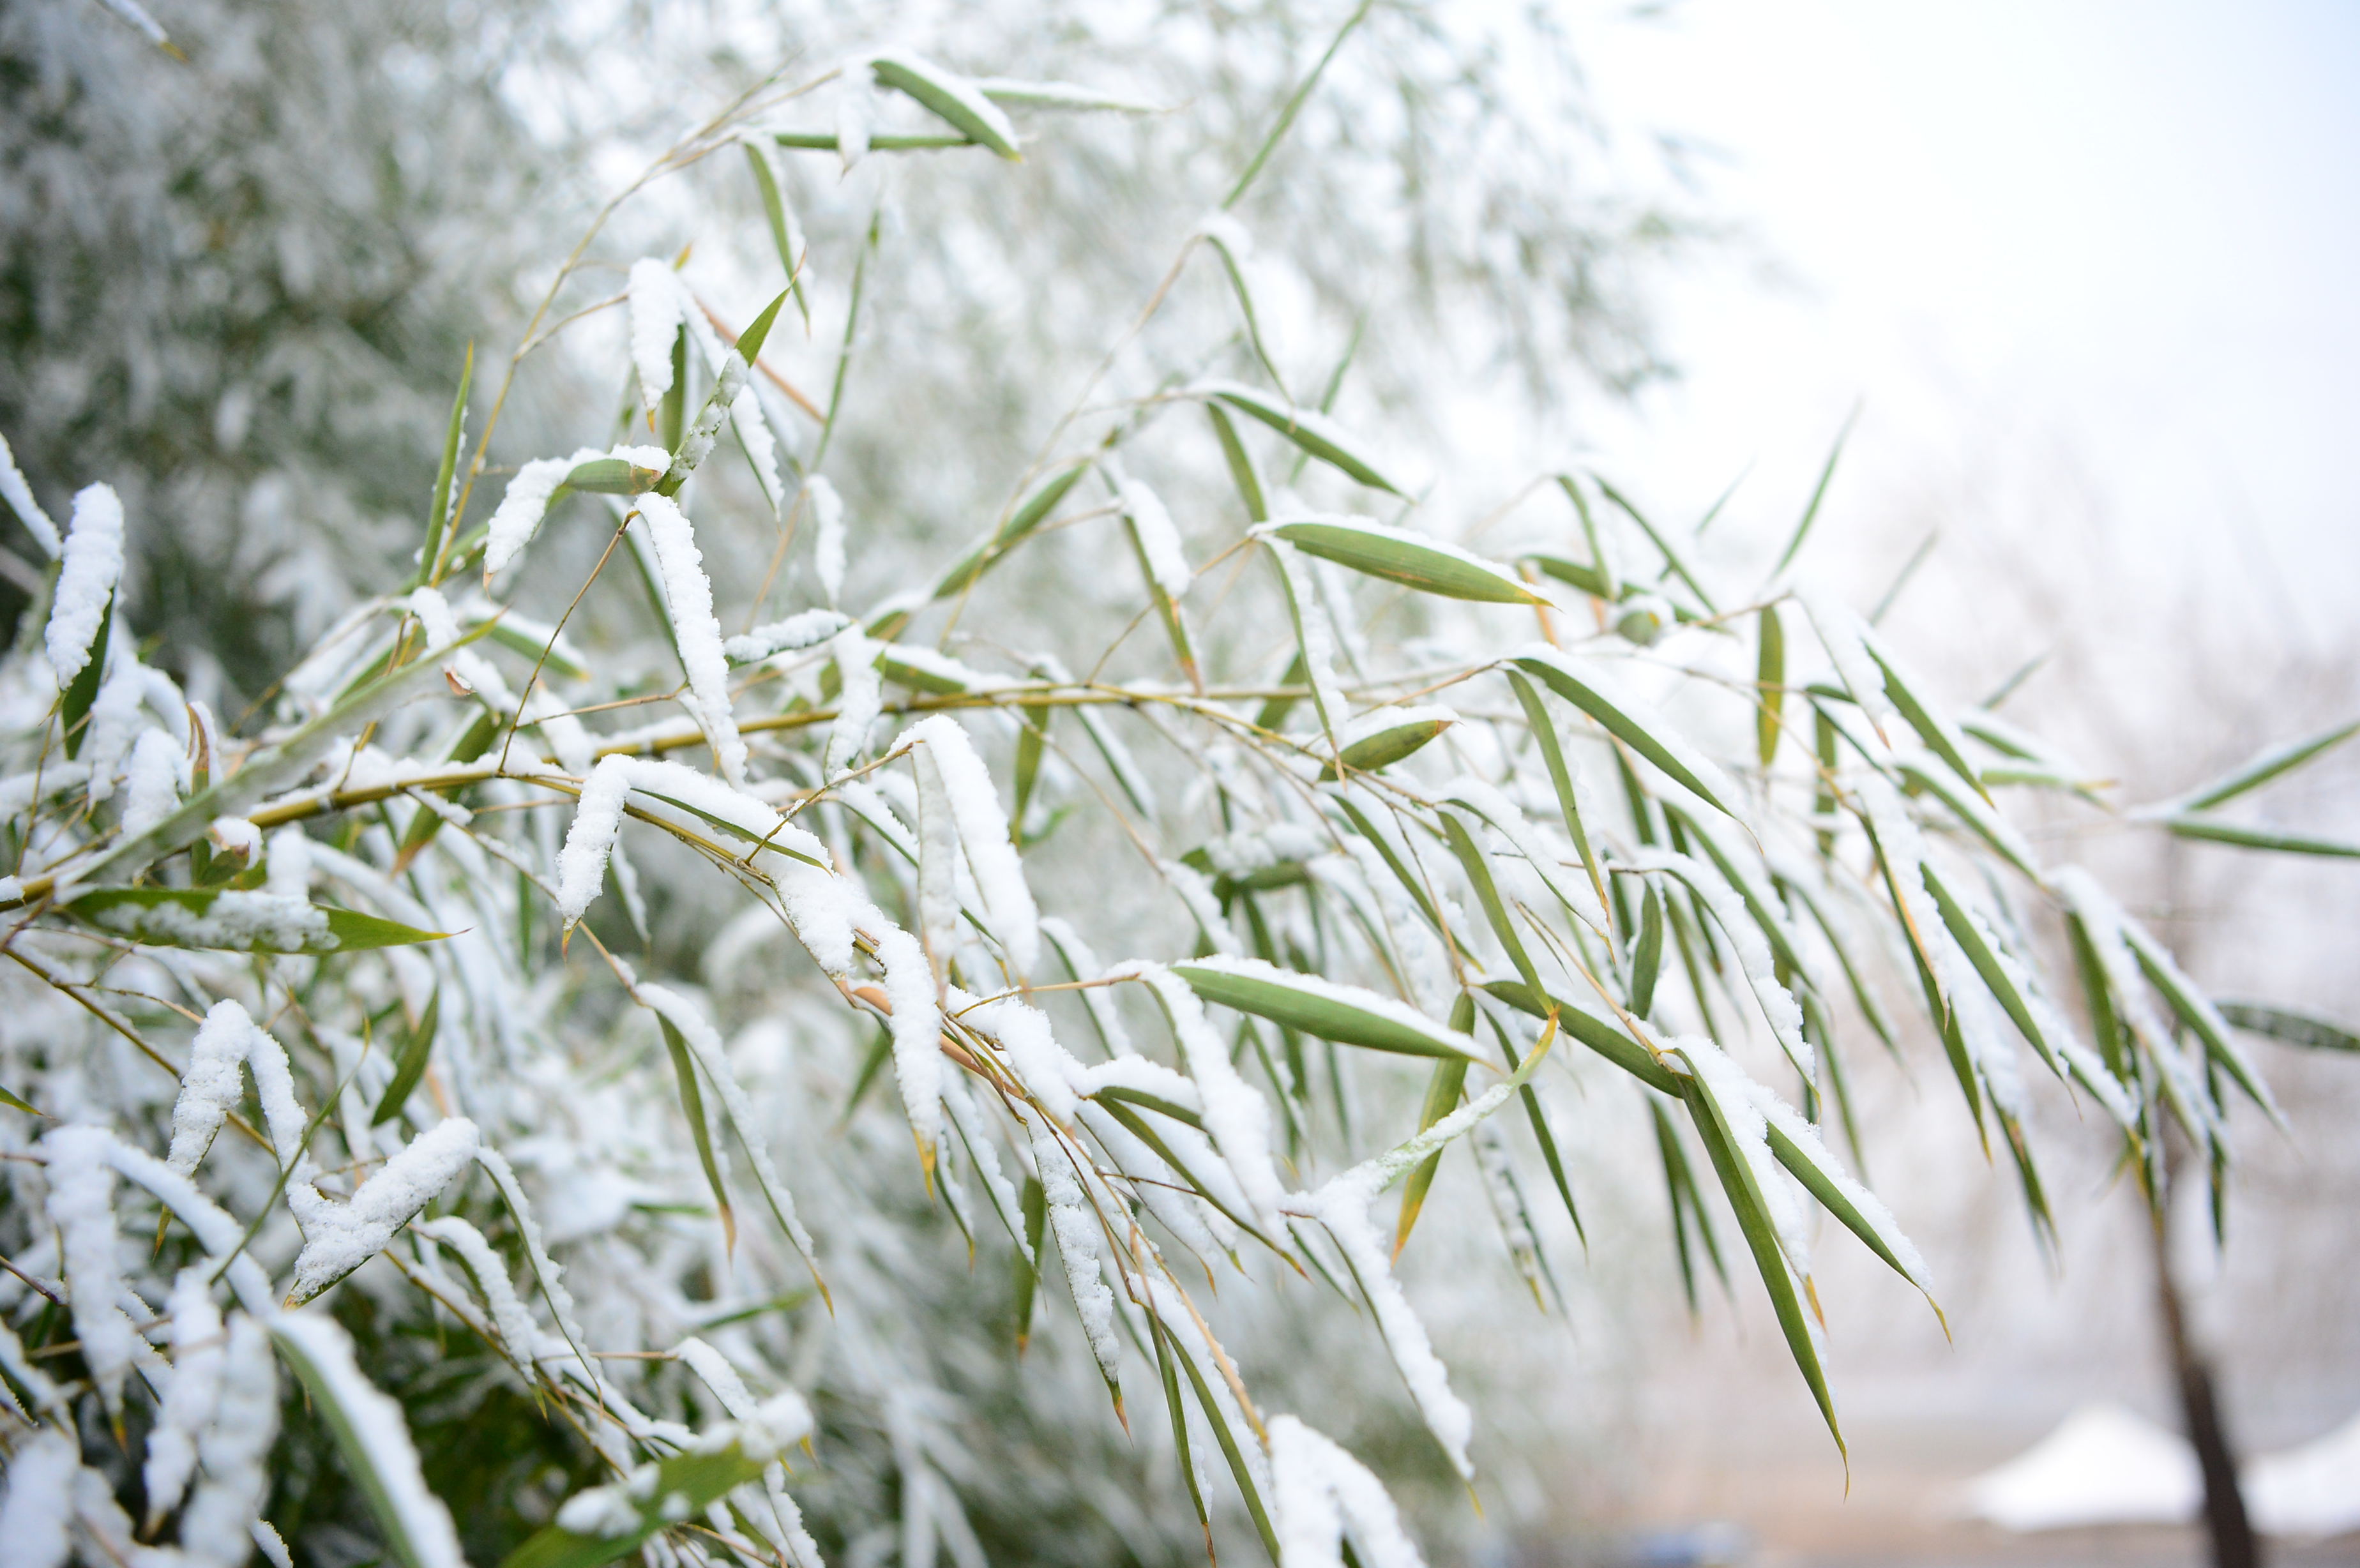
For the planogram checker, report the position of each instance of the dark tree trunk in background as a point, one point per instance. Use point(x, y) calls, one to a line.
point(2234, 1541)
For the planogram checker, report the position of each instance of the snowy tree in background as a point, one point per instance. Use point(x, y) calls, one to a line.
point(695, 1019)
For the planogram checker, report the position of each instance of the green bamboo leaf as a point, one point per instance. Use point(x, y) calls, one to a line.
point(1745, 1198)
point(1980, 953)
point(1442, 1093)
point(1239, 1470)
point(1822, 1184)
point(785, 234)
point(1241, 463)
point(556, 655)
point(1030, 515)
point(680, 1488)
point(1543, 732)
point(1819, 494)
point(371, 1433)
point(74, 711)
point(409, 1062)
point(1588, 579)
point(17, 1103)
point(952, 98)
point(2212, 830)
point(1769, 684)
point(2197, 1011)
point(692, 1105)
point(1631, 723)
point(1032, 744)
point(439, 515)
point(613, 476)
point(1976, 812)
point(1311, 431)
point(1595, 1032)
point(1674, 563)
point(1472, 861)
point(1059, 95)
point(879, 141)
point(1940, 735)
point(1602, 568)
point(2283, 1026)
point(2269, 764)
point(1680, 1182)
point(1028, 1271)
point(228, 920)
point(1389, 734)
point(1366, 829)
point(1181, 1449)
point(1349, 1015)
point(1313, 648)
point(1542, 1134)
point(1397, 555)
point(1231, 244)
point(1647, 954)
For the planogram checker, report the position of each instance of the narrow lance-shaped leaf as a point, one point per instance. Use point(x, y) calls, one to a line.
point(2286, 1027)
point(1442, 1092)
point(439, 509)
point(1310, 430)
point(1543, 732)
point(1241, 463)
point(1182, 1450)
point(1647, 954)
point(1232, 245)
point(1382, 738)
point(1747, 1200)
point(73, 710)
point(1349, 1015)
point(1542, 1133)
point(1769, 685)
point(1471, 861)
point(1819, 494)
point(785, 234)
point(624, 1514)
point(1686, 1205)
point(233, 921)
point(1595, 694)
point(2211, 830)
point(373, 1437)
point(409, 1062)
point(1029, 514)
point(2197, 1011)
point(2269, 764)
point(1674, 565)
point(1940, 735)
point(1601, 562)
point(952, 98)
point(692, 1105)
point(1592, 1032)
point(1398, 555)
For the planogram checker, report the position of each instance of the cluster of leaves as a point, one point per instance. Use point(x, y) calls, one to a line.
point(1658, 839)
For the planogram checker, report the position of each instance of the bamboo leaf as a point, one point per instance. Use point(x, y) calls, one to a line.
point(1311, 431)
point(2279, 1024)
point(952, 98)
point(1630, 724)
point(227, 920)
point(679, 1488)
point(1030, 515)
point(1542, 1134)
point(409, 1062)
point(73, 710)
point(1543, 732)
point(613, 476)
point(1442, 1092)
point(1822, 1184)
point(1680, 1182)
point(438, 513)
point(1602, 568)
point(1397, 555)
point(17, 1103)
point(1472, 861)
point(371, 1434)
point(1819, 494)
point(2213, 831)
point(1591, 1031)
point(1028, 1273)
point(2198, 1012)
point(1940, 735)
point(1231, 244)
point(1389, 735)
point(692, 1105)
point(1769, 684)
point(1647, 954)
point(1349, 1015)
point(1674, 563)
point(1745, 1198)
point(1390, 855)
point(1240, 463)
point(2269, 764)
point(1059, 95)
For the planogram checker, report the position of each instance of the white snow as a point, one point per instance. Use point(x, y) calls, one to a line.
point(2313, 1490)
point(377, 1427)
point(36, 1512)
point(1159, 541)
point(82, 1205)
point(1319, 1493)
point(159, 771)
point(916, 1029)
point(19, 496)
point(1317, 641)
point(689, 594)
point(2100, 1465)
point(1235, 1112)
point(827, 538)
point(973, 806)
point(860, 698)
point(525, 501)
point(223, 1520)
point(190, 1399)
point(658, 305)
point(1738, 1098)
point(1079, 1247)
point(94, 562)
point(1840, 632)
point(806, 628)
point(340, 1238)
point(514, 1325)
point(704, 1044)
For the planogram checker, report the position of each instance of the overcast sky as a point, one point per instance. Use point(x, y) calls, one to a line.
point(2125, 230)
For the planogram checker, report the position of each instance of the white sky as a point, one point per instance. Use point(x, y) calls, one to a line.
point(2127, 228)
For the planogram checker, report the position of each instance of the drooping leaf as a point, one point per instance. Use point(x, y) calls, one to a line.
point(409, 1061)
point(228, 920)
point(680, 1488)
point(1819, 494)
point(692, 1105)
point(1029, 514)
point(438, 517)
point(1398, 555)
point(1477, 866)
point(2269, 764)
point(1442, 1093)
point(2291, 1028)
point(1769, 685)
point(1543, 732)
point(1349, 1015)
point(2211, 830)
point(1593, 694)
point(1647, 954)
point(952, 98)
point(1592, 1032)
point(1310, 430)
point(73, 710)
point(1240, 463)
